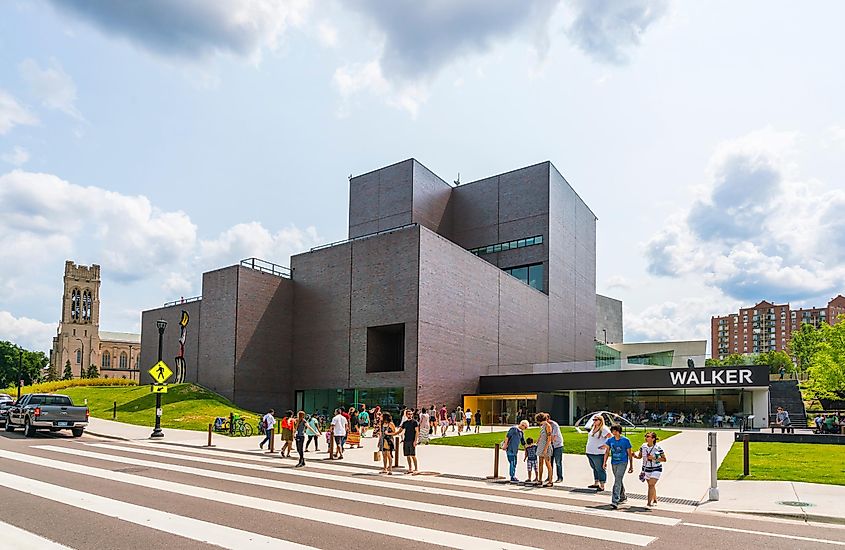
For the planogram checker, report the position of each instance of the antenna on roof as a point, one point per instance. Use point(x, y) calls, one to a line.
point(350, 177)
point(458, 181)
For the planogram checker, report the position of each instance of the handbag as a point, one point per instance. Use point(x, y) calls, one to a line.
point(376, 456)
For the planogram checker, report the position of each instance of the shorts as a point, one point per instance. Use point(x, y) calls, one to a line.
point(409, 449)
point(340, 440)
point(444, 423)
point(532, 465)
point(653, 475)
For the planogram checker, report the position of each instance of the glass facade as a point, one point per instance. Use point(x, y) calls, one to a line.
point(326, 401)
point(688, 407)
point(509, 245)
point(532, 275)
point(502, 409)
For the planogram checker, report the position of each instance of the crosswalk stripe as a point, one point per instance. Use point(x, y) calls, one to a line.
point(394, 529)
point(19, 539)
point(357, 496)
point(202, 531)
point(405, 484)
point(767, 534)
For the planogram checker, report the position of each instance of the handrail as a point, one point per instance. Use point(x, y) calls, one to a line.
point(183, 301)
point(267, 267)
point(368, 235)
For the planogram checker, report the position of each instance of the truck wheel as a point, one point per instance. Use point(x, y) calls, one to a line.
point(9, 427)
point(77, 432)
point(28, 430)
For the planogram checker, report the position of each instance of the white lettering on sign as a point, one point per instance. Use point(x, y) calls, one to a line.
point(701, 378)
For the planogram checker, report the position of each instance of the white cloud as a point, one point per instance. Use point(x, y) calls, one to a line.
point(835, 137)
point(617, 282)
point(16, 157)
point(52, 86)
point(253, 240)
point(13, 113)
point(193, 28)
point(759, 230)
point(687, 319)
point(25, 332)
point(354, 79)
point(327, 34)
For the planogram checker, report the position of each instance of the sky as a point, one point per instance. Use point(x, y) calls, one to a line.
point(161, 139)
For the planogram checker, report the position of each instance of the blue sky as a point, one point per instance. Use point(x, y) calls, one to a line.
point(179, 136)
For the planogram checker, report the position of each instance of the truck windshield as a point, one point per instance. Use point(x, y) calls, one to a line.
point(61, 400)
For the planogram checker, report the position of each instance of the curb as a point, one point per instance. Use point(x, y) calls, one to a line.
point(788, 515)
point(107, 436)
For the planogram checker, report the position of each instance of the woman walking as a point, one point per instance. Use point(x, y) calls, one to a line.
point(287, 434)
point(376, 412)
point(653, 459)
point(596, 446)
point(299, 427)
point(312, 430)
point(387, 429)
point(354, 439)
point(544, 449)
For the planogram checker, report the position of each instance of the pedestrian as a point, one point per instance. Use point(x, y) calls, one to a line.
point(340, 428)
point(432, 417)
point(268, 422)
point(782, 371)
point(619, 452)
point(545, 451)
point(557, 447)
point(425, 427)
point(287, 434)
point(468, 417)
point(514, 438)
point(653, 459)
point(596, 447)
point(386, 444)
point(313, 432)
point(411, 429)
point(477, 420)
point(354, 438)
point(452, 421)
point(531, 459)
point(299, 428)
point(363, 419)
point(376, 414)
point(783, 420)
point(444, 420)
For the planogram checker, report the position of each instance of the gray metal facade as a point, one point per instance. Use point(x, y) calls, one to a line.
point(407, 263)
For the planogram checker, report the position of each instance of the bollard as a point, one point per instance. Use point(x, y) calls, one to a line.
point(231, 424)
point(209, 436)
point(713, 493)
point(331, 447)
point(396, 452)
point(745, 455)
point(272, 442)
point(495, 475)
point(114, 411)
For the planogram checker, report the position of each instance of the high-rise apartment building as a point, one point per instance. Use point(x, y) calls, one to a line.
point(766, 326)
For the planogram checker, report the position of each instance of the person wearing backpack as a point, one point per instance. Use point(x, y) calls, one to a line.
point(268, 424)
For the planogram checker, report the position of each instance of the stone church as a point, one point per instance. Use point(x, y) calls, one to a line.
point(79, 338)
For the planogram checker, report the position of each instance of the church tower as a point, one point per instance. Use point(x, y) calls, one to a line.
point(78, 339)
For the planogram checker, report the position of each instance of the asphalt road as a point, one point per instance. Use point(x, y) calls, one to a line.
point(59, 492)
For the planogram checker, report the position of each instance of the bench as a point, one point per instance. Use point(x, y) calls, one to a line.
point(783, 429)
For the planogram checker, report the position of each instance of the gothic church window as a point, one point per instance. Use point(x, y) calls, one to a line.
point(106, 360)
point(123, 360)
point(75, 305)
point(86, 305)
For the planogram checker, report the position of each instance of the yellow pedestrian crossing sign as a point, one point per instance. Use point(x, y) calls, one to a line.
point(156, 388)
point(160, 372)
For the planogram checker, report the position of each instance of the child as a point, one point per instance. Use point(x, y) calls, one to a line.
point(531, 459)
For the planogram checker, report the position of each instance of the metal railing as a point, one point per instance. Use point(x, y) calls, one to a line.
point(267, 267)
point(367, 236)
point(183, 301)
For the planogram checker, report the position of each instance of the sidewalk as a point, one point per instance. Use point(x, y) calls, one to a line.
point(683, 486)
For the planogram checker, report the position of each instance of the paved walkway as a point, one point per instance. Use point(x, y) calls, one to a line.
point(684, 484)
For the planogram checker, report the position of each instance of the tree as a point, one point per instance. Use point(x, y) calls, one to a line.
point(92, 371)
point(68, 373)
point(804, 345)
point(827, 363)
point(735, 359)
point(775, 360)
point(14, 366)
point(52, 373)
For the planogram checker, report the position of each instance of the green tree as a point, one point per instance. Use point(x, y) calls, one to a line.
point(52, 373)
point(775, 360)
point(67, 374)
point(712, 362)
point(827, 363)
point(804, 345)
point(735, 359)
point(17, 363)
point(92, 371)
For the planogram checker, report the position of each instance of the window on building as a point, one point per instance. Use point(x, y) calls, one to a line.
point(78, 356)
point(86, 305)
point(508, 245)
point(106, 360)
point(75, 299)
point(123, 360)
point(532, 275)
point(386, 348)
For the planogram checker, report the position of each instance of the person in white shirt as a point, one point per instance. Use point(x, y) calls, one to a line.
point(468, 417)
point(340, 427)
point(596, 447)
point(268, 422)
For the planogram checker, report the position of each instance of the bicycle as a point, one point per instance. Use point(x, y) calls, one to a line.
point(241, 428)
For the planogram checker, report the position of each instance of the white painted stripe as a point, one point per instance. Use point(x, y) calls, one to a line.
point(357, 496)
point(764, 534)
point(403, 484)
point(202, 531)
point(390, 528)
point(19, 539)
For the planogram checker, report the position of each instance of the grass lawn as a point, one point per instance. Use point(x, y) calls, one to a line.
point(573, 442)
point(184, 406)
point(808, 462)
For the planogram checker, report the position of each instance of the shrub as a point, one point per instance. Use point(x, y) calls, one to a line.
point(50, 387)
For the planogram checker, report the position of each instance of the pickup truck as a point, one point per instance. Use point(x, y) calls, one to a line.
point(46, 411)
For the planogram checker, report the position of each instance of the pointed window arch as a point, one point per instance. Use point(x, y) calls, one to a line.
point(106, 360)
point(78, 356)
point(75, 305)
point(86, 305)
point(123, 360)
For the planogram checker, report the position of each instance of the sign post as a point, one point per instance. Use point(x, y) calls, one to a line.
point(713, 494)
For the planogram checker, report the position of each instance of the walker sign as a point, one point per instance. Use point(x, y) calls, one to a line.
point(731, 376)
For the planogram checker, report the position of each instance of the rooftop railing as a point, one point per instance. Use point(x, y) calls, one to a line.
point(367, 236)
point(183, 301)
point(267, 267)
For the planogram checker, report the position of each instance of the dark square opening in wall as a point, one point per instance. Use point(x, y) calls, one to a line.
point(386, 348)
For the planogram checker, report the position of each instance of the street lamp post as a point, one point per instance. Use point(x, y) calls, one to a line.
point(20, 373)
point(161, 324)
point(604, 330)
point(81, 358)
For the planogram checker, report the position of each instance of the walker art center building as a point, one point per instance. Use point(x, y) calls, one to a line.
point(436, 287)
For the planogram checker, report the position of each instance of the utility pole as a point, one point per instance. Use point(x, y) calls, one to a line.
point(161, 324)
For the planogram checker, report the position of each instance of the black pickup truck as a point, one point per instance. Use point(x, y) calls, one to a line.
point(46, 411)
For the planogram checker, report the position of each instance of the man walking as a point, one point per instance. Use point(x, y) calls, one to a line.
point(620, 454)
point(411, 429)
point(340, 427)
point(557, 447)
point(269, 423)
point(363, 419)
point(513, 440)
point(443, 414)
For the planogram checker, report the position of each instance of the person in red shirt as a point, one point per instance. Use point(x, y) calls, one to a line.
point(443, 416)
